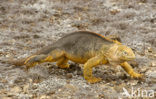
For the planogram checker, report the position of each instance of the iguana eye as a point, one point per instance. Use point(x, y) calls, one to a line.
point(125, 53)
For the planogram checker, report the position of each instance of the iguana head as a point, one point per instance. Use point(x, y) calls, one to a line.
point(120, 53)
point(125, 53)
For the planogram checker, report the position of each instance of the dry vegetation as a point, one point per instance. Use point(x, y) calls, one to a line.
point(28, 25)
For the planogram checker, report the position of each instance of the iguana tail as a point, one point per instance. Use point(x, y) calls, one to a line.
point(18, 62)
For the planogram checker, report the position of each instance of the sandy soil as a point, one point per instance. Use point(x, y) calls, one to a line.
point(28, 25)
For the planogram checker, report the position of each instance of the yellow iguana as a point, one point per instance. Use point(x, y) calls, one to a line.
point(88, 48)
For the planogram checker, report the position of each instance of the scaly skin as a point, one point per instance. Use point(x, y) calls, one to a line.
point(88, 48)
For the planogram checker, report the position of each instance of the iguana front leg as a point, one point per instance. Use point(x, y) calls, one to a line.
point(93, 62)
point(130, 70)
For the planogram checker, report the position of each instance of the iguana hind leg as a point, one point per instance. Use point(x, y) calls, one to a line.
point(37, 59)
point(33, 60)
point(93, 62)
point(130, 70)
point(63, 62)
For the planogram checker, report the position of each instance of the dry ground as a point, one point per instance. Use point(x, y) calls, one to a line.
point(28, 25)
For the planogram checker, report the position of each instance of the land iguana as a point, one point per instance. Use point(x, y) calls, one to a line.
point(84, 47)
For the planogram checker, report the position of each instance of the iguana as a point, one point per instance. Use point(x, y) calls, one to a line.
point(84, 47)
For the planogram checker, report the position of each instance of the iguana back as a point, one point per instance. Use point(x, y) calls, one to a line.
point(78, 43)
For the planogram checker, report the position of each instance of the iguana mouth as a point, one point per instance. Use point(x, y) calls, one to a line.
point(130, 58)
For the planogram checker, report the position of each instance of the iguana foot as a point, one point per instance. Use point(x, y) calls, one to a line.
point(135, 75)
point(30, 65)
point(93, 79)
point(63, 66)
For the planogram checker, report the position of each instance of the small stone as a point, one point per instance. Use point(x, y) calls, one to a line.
point(3, 91)
point(133, 82)
point(153, 64)
point(9, 94)
point(71, 87)
point(150, 49)
point(5, 97)
point(36, 81)
point(16, 89)
point(30, 80)
point(59, 90)
point(134, 64)
point(67, 81)
point(51, 93)
point(20, 80)
point(118, 88)
point(44, 97)
point(143, 1)
point(36, 36)
point(69, 75)
point(4, 81)
point(25, 88)
point(114, 11)
point(101, 96)
point(144, 70)
point(34, 87)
